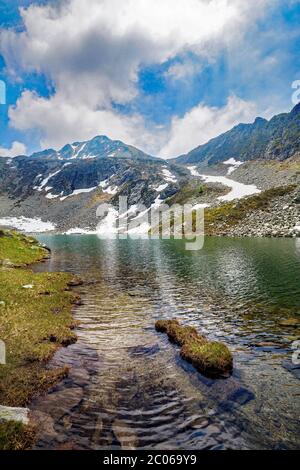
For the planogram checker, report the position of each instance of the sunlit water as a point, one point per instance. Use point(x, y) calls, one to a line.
point(128, 387)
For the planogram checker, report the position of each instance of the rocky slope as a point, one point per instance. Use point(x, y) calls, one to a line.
point(61, 190)
point(65, 187)
point(277, 139)
point(273, 213)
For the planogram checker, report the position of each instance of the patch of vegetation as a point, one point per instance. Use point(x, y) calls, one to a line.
point(232, 213)
point(18, 249)
point(35, 320)
point(177, 333)
point(191, 191)
point(16, 436)
point(212, 359)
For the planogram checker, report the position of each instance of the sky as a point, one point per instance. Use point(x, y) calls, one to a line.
point(163, 75)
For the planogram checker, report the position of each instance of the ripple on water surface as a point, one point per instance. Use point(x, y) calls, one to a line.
point(128, 386)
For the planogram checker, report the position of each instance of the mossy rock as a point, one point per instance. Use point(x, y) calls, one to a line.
point(162, 325)
point(177, 333)
point(211, 358)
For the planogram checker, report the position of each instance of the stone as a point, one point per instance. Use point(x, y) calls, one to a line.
point(45, 424)
point(241, 396)
point(79, 377)
point(57, 404)
point(75, 282)
point(267, 345)
point(200, 423)
point(8, 413)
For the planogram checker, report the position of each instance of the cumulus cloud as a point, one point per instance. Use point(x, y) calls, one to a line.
point(203, 123)
point(16, 149)
point(92, 55)
point(62, 122)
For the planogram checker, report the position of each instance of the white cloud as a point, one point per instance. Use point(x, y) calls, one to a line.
point(92, 54)
point(62, 122)
point(16, 149)
point(203, 123)
point(182, 70)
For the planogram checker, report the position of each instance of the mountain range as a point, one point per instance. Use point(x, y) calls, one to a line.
point(277, 139)
point(65, 186)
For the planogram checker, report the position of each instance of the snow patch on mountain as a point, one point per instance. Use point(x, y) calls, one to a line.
point(45, 181)
point(234, 164)
point(76, 192)
point(161, 187)
point(238, 190)
point(168, 176)
point(28, 225)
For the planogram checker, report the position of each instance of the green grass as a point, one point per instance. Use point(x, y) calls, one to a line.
point(34, 322)
point(19, 249)
point(16, 436)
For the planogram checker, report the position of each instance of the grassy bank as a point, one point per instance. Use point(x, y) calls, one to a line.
point(35, 319)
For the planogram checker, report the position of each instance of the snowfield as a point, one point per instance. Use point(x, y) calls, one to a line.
point(238, 190)
point(27, 225)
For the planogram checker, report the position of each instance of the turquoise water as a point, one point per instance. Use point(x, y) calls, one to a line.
point(133, 389)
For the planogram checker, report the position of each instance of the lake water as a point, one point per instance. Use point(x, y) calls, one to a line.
point(128, 387)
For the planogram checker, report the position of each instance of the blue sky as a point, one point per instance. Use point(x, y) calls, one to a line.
point(163, 91)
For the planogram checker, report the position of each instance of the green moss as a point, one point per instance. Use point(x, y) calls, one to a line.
point(211, 358)
point(191, 191)
point(177, 333)
point(162, 325)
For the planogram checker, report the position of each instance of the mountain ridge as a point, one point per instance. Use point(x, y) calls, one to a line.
point(99, 146)
point(274, 139)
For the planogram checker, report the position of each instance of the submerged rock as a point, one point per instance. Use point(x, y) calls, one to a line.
point(211, 358)
point(75, 282)
point(292, 368)
point(144, 350)
point(57, 404)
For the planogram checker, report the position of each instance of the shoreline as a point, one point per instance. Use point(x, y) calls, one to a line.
point(36, 321)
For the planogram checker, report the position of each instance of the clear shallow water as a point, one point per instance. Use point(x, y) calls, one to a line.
point(128, 386)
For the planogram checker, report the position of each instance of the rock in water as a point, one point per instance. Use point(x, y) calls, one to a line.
point(211, 358)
